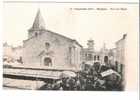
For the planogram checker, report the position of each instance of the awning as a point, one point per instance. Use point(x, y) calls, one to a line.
point(33, 73)
point(67, 74)
point(22, 84)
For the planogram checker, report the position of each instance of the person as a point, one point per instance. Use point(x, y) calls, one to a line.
point(83, 66)
point(104, 68)
point(112, 82)
point(82, 82)
point(78, 84)
point(116, 66)
point(89, 85)
point(72, 83)
point(121, 69)
point(96, 65)
point(64, 84)
point(99, 84)
point(57, 85)
point(49, 86)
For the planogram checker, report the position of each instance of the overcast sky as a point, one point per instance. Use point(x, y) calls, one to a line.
point(71, 20)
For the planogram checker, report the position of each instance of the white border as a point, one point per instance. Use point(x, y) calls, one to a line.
point(35, 95)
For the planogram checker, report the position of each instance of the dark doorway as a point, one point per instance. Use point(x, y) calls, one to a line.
point(106, 59)
point(94, 58)
point(47, 61)
point(98, 57)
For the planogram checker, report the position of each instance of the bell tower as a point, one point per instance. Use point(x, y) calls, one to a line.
point(38, 25)
point(90, 44)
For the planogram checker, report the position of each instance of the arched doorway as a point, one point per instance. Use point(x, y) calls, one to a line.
point(106, 59)
point(47, 61)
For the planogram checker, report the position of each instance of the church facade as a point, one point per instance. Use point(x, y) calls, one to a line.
point(46, 49)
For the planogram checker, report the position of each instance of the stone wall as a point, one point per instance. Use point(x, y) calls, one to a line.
point(34, 51)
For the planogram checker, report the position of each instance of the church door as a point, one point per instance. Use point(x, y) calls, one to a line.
point(47, 61)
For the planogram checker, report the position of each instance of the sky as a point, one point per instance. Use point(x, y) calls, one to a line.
point(80, 21)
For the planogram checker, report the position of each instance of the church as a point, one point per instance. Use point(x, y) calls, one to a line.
point(46, 49)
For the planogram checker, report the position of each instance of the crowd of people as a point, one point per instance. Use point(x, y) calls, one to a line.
point(89, 79)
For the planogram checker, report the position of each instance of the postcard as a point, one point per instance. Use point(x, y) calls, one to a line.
point(68, 46)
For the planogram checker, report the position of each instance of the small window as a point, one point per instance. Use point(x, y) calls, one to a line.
point(94, 58)
point(47, 45)
point(98, 57)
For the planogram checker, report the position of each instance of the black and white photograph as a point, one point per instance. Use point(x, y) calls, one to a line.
point(54, 46)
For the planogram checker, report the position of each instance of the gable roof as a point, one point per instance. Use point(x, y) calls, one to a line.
point(57, 34)
point(39, 25)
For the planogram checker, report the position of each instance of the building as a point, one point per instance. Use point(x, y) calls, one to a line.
point(12, 54)
point(112, 56)
point(120, 50)
point(7, 52)
point(46, 49)
point(120, 53)
point(104, 54)
point(89, 54)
